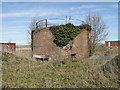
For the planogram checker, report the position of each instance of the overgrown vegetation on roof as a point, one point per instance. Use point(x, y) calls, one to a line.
point(64, 33)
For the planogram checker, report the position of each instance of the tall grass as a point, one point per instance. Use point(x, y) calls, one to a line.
point(20, 72)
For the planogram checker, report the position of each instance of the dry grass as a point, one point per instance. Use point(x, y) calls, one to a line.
point(20, 72)
point(24, 52)
point(101, 50)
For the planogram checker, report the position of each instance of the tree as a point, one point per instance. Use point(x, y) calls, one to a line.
point(98, 31)
point(32, 26)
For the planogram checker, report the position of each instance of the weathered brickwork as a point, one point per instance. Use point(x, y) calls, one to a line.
point(8, 47)
point(43, 45)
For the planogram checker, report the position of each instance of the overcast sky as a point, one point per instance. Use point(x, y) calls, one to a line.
point(16, 16)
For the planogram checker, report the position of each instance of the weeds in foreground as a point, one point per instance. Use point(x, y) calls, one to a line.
point(21, 72)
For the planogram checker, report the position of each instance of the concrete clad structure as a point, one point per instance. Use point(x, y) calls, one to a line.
point(112, 43)
point(8, 47)
point(43, 45)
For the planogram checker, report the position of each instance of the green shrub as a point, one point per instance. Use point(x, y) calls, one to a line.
point(64, 33)
point(6, 56)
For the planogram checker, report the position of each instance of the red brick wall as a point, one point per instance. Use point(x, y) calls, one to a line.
point(43, 45)
point(8, 47)
point(81, 44)
point(112, 43)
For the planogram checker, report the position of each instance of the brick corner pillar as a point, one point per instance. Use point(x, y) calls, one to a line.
point(85, 43)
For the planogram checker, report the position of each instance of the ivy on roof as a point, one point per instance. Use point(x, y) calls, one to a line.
point(64, 33)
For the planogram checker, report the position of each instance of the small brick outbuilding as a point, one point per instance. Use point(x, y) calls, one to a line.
point(112, 43)
point(8, 47)
point(43, 46)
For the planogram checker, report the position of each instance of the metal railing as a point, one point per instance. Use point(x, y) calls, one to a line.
point(49, 22)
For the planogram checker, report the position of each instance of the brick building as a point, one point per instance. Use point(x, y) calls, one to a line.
point(44, 47)
point(112, 43)
point(8, 47)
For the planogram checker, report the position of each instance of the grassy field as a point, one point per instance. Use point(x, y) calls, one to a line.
point(20, 71)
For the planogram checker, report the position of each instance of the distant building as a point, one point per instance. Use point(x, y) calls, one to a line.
point(8, 47)
point(112, 43)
